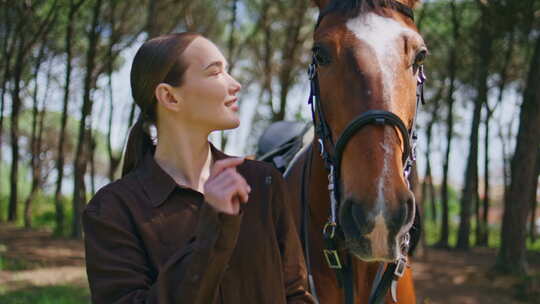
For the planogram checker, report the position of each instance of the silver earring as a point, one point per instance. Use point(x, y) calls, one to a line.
point(153, 134)
point(151, 130)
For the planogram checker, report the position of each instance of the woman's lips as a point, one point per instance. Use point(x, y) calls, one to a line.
point(232, 104)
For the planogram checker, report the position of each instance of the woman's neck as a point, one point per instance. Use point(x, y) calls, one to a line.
point(185, 155)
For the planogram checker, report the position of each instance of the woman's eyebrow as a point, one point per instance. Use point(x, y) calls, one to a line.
point(218, 64)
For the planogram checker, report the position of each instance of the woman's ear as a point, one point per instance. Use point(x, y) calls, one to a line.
point(167, 97)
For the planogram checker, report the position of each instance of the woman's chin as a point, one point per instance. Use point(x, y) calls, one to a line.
point(232, 123)
point(235, 124)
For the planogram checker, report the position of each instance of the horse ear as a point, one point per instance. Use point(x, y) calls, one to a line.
point(321, 3)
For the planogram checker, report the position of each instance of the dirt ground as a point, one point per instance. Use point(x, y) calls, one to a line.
point(464, 277)
point(35, 258)
point(442, 277)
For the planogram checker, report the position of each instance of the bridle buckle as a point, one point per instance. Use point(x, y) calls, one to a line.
point(400, 267)
point(332, 226)
point(332, 259)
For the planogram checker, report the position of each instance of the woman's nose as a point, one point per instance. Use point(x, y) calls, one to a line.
point(236, 86)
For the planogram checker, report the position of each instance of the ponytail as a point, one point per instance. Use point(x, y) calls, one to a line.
point(139, 143)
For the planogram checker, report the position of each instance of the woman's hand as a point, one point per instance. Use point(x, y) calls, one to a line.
point(226, 189)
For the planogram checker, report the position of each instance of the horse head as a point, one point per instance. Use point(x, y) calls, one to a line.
point(368, 55)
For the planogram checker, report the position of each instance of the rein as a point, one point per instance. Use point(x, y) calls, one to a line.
point(385, 279)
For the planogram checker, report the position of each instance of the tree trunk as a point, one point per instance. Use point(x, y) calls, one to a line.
point(504, 138)
point(92, 159)
point(534, 201)
point(291, 48)
point(427, 184)
point(14, 130)
point(23, 48)
point(452, 67)
point(58, 199)
point(482, 238)
point(470, 188)
point(82, 153)
point(511, 257)
point(267, 56)
point(114, 160)
point(7, 51)
point(151, 28)
point(34, 149)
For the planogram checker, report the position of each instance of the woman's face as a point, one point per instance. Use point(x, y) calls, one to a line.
point(208, 92)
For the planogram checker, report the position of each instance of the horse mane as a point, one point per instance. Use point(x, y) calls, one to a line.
point(355, 7)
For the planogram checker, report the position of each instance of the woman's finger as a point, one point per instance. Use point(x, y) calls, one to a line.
point(241, 189)
point(223, 164)
point(223, 175)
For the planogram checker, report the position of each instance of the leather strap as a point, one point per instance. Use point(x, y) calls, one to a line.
point(377, 296)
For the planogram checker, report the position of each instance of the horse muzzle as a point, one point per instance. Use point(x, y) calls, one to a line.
point(375, 234)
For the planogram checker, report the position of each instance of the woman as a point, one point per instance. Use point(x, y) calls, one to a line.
point(187, 223)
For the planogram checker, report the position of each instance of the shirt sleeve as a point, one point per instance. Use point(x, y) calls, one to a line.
point(118, 267)
point(294, 268)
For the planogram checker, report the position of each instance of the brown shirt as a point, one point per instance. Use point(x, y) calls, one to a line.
point(149, 240)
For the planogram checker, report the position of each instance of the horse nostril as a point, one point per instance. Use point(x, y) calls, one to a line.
point(358, 215)
point(362, 218)
point(353, 217)
point(350, 216)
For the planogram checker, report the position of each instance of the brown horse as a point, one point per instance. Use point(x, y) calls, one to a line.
point(367, 55)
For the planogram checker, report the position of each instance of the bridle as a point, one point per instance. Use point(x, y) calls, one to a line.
point(332, 156)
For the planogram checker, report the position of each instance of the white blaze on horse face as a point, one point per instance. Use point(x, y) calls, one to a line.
point(379, 238)
point(384, 36)
point(380, 203)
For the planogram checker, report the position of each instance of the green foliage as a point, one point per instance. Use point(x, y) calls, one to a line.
point(14, 264)
point(453, 205)
point(23, 182)
point(47, 295)
point(432, 229)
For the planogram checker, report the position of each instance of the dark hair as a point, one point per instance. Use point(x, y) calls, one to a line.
point(157, 61)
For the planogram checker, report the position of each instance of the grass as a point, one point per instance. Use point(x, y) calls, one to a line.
point(63, 294)
point(13, 264)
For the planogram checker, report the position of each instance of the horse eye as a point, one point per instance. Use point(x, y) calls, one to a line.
point(321, 55)
point(420, 57)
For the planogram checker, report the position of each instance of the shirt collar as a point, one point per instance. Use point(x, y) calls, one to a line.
point(157, 183)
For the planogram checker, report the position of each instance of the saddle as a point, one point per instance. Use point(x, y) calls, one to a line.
point(281, 141)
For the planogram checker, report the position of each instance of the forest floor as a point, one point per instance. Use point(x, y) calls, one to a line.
point(443, 276)
point(38, 268)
